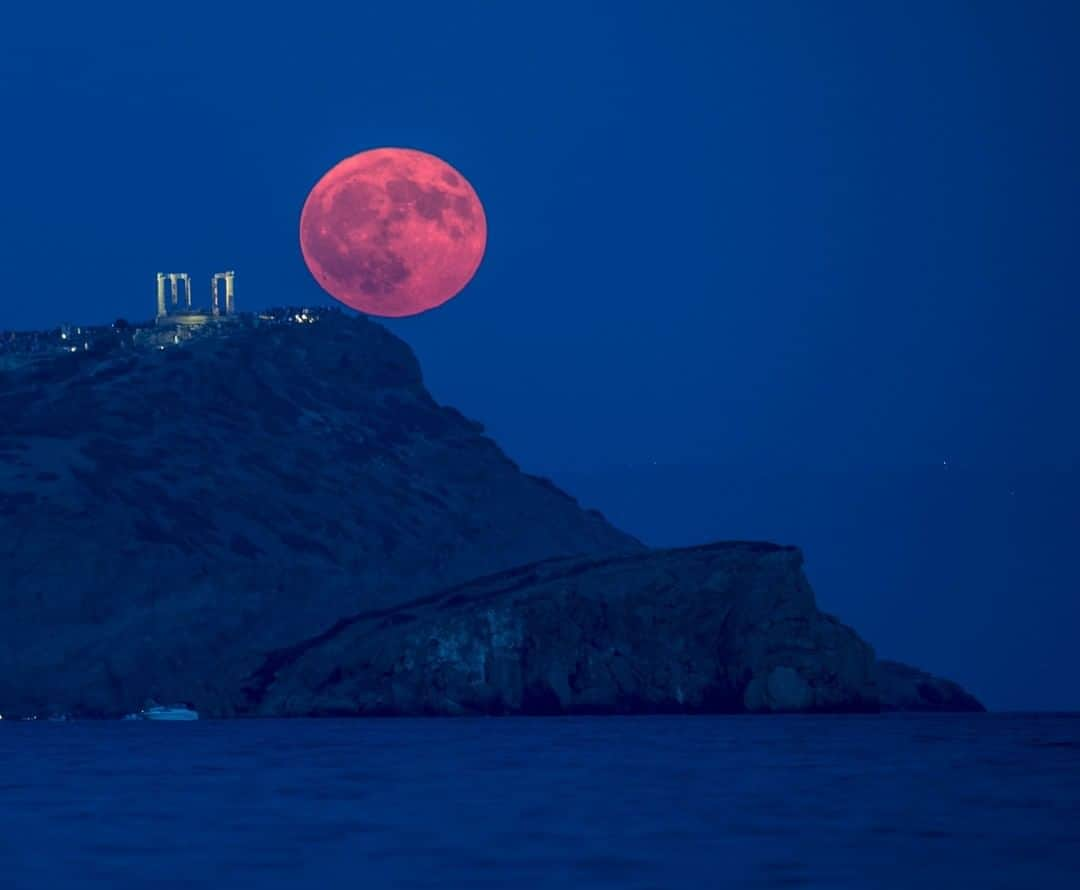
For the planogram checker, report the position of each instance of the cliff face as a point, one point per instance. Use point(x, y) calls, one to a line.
point(722, 628)
point(169, 515)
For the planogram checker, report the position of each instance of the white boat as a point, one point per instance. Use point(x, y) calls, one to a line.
point(154, 711)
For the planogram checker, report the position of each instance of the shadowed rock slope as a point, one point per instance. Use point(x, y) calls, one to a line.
point(723, 628)
point(167, 516)
point(904, 688)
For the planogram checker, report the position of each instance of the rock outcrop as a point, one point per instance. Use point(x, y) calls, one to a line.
point(904, 688)
point(723, 628)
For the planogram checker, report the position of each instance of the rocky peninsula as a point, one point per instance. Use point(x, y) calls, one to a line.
point(275, 517)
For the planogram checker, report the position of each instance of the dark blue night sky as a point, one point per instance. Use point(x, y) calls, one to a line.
point(805, 271)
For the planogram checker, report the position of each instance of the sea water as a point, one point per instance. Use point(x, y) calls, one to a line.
point(874, 801)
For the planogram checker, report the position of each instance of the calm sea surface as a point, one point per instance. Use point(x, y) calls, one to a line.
point(895, 801)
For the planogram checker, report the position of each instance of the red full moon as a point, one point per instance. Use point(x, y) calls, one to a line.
point(393, 231)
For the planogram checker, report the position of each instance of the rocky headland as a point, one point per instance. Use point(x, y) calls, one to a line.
point(276, 518)
point(723, 628)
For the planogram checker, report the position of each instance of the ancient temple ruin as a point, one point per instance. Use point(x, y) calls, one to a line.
point(176, 309)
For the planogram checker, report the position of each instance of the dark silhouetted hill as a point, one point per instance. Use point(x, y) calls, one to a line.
point(277, 518)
